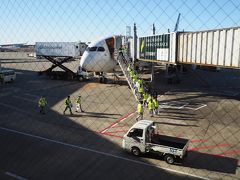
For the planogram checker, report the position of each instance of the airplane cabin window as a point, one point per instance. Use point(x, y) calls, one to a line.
point(91, 48)
point(101, 49)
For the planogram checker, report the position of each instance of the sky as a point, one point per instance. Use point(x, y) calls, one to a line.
point(85, 20)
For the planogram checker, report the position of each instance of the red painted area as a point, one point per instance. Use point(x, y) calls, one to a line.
point(107, 134)
point(119, 120)
point(229, 153)
point(119, 126)
point(208, 147)
point(117, 131)
point(198, 140)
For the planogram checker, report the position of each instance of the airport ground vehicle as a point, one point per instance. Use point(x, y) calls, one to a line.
point(59, 53)
point(141, 138)
point(8, 75)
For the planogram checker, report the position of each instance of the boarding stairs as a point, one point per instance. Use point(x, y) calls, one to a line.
point(123, 61)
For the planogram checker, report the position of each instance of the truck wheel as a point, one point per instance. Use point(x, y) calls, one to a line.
point(169, 159)
point(135, 151)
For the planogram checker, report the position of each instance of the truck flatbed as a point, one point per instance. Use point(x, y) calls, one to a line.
point(169, 141)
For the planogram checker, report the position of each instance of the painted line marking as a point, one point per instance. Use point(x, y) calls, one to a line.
point(181, 105)
point(25, 99)
point(173, 105)
point(99, 152)
point(117, 131)
point(108, 134)
point(208, 147)
point(120, 126)
point(117, 122)
point(203, 105)
point(198, 140)
point(15, 176)
point(32, 95)
point(17, 109)
point(230, 153)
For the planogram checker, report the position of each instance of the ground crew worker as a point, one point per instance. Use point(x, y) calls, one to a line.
point(151, 107)
point(120, 51)
point(78, 104)
point(155, 102)
point(131, 73)
point(140, 90)
point(149, 98)
point(135, 78)
point(145, 97)
point(140, 111)
point(42, 104)
point(68, 104)
point(129, 68)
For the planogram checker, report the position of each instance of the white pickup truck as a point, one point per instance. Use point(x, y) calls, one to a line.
point(141, 138)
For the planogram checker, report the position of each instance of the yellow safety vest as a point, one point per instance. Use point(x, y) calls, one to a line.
point(155, 101)
point(134, 78)
point(78, 100)
point(149, 98)
point(150, 105)
point(145, 96)
point(68, 102)
point(140, 108)
point(131, 74)
point(140, 89)
point(42, 102)
point(129, 68)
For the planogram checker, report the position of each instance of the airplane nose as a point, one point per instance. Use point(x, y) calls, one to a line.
point(84, 60)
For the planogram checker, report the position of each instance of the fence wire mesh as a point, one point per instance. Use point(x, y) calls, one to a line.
point(196, 102)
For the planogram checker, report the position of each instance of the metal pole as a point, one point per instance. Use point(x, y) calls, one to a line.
point(154, 29)
point(152, 71)
point(134, 43)
point(152, 64)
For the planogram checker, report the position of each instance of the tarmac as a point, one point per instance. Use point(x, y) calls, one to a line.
point(88, 145)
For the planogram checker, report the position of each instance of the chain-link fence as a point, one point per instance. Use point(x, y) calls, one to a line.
point(90, 101)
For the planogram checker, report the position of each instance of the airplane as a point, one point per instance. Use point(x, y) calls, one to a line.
point(100, 57)
point(12, 47)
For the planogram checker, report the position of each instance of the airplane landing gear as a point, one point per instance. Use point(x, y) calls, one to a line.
point(102, 78)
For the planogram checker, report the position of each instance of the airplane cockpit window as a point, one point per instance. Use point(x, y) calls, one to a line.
point(92, 48)
point(101, 49)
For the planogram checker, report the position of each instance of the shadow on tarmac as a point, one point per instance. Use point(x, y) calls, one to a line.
point(38, 159)
point(60, 163)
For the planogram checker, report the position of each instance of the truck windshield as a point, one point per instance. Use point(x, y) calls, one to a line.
point(136, 132)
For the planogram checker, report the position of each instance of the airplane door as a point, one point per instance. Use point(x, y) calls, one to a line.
point(110, 44)
point(118, 42)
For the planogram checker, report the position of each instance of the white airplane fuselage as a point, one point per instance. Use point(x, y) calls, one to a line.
point(99, 56)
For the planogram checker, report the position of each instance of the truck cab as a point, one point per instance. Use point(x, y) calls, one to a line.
point(141, 139)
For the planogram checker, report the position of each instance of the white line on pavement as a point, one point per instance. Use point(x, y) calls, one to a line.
point(97, 152)
point(203, 105)
point(15, 176)
point(25, 99)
